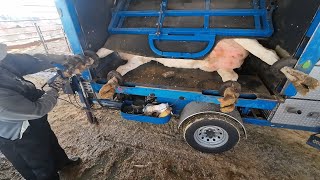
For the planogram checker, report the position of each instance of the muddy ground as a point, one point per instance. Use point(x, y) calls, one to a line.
point(120, 149)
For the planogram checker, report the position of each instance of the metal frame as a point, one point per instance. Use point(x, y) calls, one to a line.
point(262, 25)
point(179, 99)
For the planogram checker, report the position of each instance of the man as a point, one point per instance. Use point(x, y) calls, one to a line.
point(26, 138)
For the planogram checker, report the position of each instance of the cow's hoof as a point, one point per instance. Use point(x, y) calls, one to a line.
point(234, 84)
point(228, 102)
point(117, 75)
point(107, 91)
point(301, 81)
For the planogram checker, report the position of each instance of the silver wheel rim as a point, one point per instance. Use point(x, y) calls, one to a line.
point(211, 136)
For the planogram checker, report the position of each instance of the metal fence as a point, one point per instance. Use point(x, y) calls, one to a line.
point(35, 36)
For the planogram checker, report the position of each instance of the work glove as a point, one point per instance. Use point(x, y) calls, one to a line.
point(56, 82)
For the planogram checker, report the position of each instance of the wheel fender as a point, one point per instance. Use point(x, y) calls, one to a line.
point(197, 108)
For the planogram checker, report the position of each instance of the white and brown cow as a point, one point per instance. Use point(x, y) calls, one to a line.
point(226, 56)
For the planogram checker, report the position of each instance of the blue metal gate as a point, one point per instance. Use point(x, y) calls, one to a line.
point(260, 11)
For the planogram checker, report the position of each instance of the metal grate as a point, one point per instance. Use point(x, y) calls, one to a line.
point(261, 12)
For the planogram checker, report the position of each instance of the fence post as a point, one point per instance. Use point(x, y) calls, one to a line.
point(41, 38)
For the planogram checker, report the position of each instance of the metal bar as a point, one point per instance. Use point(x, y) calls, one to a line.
point(183, 38)
point(41, 38)
point(31, 20)
point(216, 12)
point(162, 12)
point(256, 17)
point(207, 17)
point(126, 7)
point(115, 17)
point(193, 31)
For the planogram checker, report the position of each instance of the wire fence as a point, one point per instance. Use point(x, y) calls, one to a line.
point(44, 35)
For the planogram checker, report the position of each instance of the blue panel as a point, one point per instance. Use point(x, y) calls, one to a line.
point(311, 53)
point(71, 24)
point(149, 119)
point(262, 19)
point(260, 122)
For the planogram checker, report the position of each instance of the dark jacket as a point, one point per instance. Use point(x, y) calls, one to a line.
point(20, 100)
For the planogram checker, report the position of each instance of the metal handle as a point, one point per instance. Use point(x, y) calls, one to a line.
point(293, 110)
point(205, 38)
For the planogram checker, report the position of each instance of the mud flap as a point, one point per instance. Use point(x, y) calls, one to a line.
point(314, 141)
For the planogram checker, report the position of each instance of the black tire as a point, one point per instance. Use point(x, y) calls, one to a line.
point(216, 121)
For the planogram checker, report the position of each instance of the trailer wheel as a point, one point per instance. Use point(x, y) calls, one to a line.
point(211, 134)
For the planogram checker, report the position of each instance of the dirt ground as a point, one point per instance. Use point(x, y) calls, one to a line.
point(120, 149)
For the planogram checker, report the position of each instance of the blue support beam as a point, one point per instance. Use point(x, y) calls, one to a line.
point(71, 24)
point(264, 122)
point(191, 31)
point(257, 22)
point(177, 13)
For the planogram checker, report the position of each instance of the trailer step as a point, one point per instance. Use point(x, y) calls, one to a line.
point(261, 12)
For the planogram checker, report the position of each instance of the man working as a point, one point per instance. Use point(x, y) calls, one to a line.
point(26, 138)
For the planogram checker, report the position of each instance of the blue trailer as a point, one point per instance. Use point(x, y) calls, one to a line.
point(141, 26)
